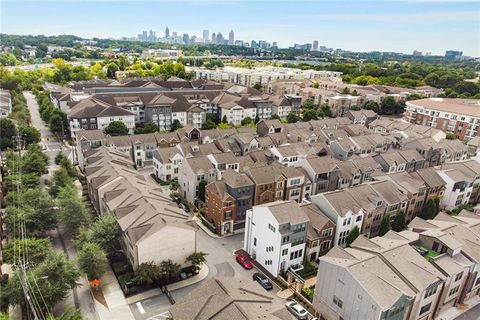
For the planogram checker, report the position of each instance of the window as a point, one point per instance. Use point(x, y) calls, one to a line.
point(327, 232)
point(325, 246)
point(425, 308)
point(337, 301)
point(459, 276)
point(430, 292)
point(254, 241)
point(284, 252)
point(454, 290)
point(359, 218)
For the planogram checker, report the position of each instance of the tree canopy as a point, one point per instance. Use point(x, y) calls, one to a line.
point(116, 128)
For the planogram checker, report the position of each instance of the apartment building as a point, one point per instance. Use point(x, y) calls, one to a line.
point(275, 236)
point(458, 116)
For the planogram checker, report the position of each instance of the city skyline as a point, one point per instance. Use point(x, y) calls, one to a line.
point(400, 26)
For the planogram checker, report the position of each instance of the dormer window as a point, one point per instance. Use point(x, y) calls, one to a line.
point(378, 204)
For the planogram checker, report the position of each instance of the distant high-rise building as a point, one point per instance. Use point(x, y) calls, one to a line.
point(274, 44)
point(185, 38)
point(315, 45)
point(205, 36)
point(151, 35)
point(220, 39)
point(167, 32)
point(254, 44)
point(262, 44)
point(239, 43)
point(417, 53)
point(231, 38)
point(214, 37)
point(453, 54)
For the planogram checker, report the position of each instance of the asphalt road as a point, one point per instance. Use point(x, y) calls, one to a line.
point(53, 147)
point(472, 314)
point(221, 263)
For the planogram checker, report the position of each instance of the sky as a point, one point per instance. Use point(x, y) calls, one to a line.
point(382, 25)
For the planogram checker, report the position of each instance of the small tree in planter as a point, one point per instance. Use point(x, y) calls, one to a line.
point(169, 269)
point(196, 259)
point(148, 273)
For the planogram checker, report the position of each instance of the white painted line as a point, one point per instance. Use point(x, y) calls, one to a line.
point(140, 308)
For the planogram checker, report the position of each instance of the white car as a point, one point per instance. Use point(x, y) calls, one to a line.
point(297, 310)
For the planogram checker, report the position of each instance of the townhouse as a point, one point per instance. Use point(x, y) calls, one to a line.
point(462, 183)
point(191, 171)
point(352, 284)
point(152, 228)
point(5, 103)
point(320, 232)
point(421, 276)
point(362, 116)
point(323, 172)
point(269, 184)
point(166, 163)
point(275, 236)
point(228, 200)
point(430, 271)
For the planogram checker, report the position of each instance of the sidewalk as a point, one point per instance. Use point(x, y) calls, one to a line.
point(458, 311)
point(198, 221)
point(202, 274)
point(117, 307)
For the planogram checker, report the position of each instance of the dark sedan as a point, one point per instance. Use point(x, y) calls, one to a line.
point(264, 282)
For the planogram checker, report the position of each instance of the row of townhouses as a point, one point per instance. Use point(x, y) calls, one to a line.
point(420, 273)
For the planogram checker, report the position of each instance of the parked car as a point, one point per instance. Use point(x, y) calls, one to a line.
point(184, 207)
point(176, 199)
point(244, 261)
point(264, 282)
point(297, 310)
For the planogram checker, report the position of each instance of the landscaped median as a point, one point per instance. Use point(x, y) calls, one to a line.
point(201, 275)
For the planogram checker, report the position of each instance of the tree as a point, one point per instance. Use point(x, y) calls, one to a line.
point(34, 160)
point(148, 127)
point(346, 90)
point(197, 259)
point(308, 104)
point(169, 269)
point(92, 260)
point(275, 117)
point(38, 250)
point(400, 221)
point(116, 128)
point(201, 190)
point(372, 105)
point(429, 212)
point(316, 85)
point(30, 134)
point(68, 314)
point(72, 210)
point(61, 179)
point(7, 132)
point(176, 125)
point(246, 121)
point(309, 114)
point(257, 86)
point(57, 123)
point(209, 124)
point(36, 210)
point(224, 119)
point(112, 68)
point(385, 225)
point(105, 232)
point(122, 62)
point(257, 119)
point(292, 118)
point(354, 233)
point(53, 279)
point(148, 273)
point(450, 136)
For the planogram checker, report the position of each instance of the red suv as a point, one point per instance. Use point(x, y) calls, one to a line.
point(244, 261)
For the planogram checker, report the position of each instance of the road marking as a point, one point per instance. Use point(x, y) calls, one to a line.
point(164, 315)
point(140, 308)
